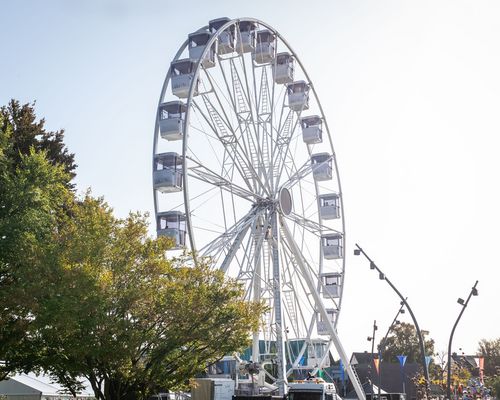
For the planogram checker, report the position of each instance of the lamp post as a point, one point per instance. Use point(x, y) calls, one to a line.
point(382, 276)
point(463, 303)
point(381, 345)
point(372, 339)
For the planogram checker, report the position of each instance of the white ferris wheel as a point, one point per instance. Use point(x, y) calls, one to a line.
point(244, 172)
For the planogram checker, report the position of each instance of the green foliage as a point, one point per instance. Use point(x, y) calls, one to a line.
point(494, 384)
point(86, 294)
point(21, 133)
point(33, 197)
point(490, 350)
point(403, 340)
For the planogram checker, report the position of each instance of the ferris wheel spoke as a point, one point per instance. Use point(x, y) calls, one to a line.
point(228, 138)
point(291, 297)
point(303, 296)
point(249, 128)
point(306, 169)
point(284, 155)
point(312, 226)
point(204, 174)
point(225, 240)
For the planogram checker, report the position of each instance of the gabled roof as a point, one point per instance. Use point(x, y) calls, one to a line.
point(363, 358)
point(466, 361)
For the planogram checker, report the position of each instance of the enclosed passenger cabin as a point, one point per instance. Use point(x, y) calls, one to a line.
point(322, 325)
point(182, 76)
point(329, 206)
point(197, 43)
point(167, 174)
point(298, 95)
point(322, 166)
point(172, 224)
point(265, 47)
point(283, 68)
point(311, 129)
point(245, 37)
point(316, 350)
point(171, 117)
point(331, 284)
point(226, 38)
point(332, 246)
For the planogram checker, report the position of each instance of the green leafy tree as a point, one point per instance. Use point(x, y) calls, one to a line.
point(490, 350)
point(85, 294)
point(125, 317)
point(21, 132)
point(494, 384)
point(403, 340)
point(33, 198)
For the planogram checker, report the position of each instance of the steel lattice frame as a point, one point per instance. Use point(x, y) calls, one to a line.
point(241, 146)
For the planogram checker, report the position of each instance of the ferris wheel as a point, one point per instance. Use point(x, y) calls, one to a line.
point(244, 174)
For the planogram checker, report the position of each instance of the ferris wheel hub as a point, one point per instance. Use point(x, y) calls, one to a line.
point(285, 201)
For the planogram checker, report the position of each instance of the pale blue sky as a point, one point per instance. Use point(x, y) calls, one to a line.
point(411, 90)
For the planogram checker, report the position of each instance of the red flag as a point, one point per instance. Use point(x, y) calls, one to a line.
point(376, 361)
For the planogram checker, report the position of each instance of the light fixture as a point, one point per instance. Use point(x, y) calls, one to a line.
point(357, 252)
point(381, 276)
point(402, 311)
point(474, 291)
point(372, 265)
point(460, 301)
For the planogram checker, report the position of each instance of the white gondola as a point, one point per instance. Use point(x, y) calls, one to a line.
point(172, 224)
point(171, 117)
point(265, 47)
point(311, 129)
point(322, 166)
point(329, 206)
point(283, 68)
point(226, 38)
point(322, 325)
point(182, 76)
point(332, 246)
point(316, 350)
point(331, 284)
point(298, 95)
point(245, 38)
point(167, 174)
point(197, 43)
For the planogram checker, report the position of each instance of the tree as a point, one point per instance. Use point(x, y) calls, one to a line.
point(85, 294)
point(490, 350)
point(22, 133)
point(33, 197)
point(403, 340)
point(125, 317)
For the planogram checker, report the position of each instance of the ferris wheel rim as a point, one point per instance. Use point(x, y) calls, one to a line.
point(190, 96)
point(186, 126)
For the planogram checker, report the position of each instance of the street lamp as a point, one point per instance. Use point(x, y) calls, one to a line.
point(382, 343)
point(460, 301)
point(382, 276)
point(372, 339)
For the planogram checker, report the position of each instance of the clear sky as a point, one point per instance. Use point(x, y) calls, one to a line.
point(411, 91)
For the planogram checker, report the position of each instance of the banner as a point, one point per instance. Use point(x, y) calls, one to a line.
point(402, 360)
point(342, 371)
point(428, 360)
point(376, 362)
